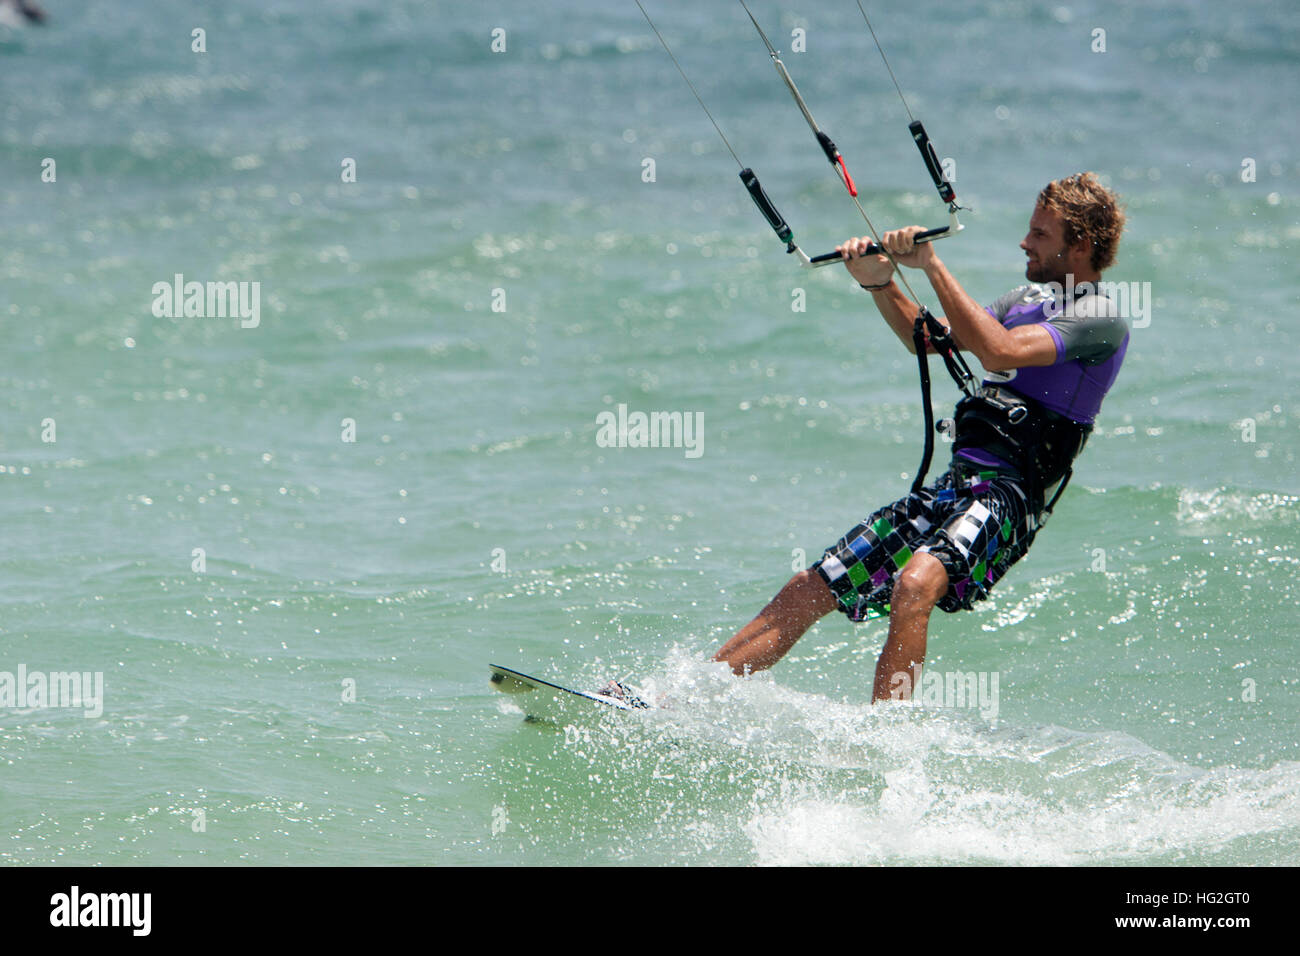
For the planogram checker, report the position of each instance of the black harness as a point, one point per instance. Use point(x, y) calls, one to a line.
point(1038, 443)
point(1033, 439)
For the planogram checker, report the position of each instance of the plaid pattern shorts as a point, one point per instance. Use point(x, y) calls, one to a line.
point(977, 523)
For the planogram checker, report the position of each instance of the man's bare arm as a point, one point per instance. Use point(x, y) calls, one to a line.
point(997, 347)
point(897, 309)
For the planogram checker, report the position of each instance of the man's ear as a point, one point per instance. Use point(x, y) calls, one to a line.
point(1081, 249)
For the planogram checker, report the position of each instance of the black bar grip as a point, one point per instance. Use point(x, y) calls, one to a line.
point(928, 235)
point(946, 192)
point(828, 258)
point(764, 204)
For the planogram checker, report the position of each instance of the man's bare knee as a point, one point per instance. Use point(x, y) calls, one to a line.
point(923, 580)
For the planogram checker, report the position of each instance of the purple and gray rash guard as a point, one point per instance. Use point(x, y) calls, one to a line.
point(1091, 340)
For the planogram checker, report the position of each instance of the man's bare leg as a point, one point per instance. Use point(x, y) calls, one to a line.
point(762, 642)
point(919, 587)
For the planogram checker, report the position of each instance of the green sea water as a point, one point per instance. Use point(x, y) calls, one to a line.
point(294, 629)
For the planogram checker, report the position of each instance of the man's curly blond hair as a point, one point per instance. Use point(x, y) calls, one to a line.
point(1089, 211)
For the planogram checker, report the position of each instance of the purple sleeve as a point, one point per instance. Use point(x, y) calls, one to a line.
point(1058, 339)
point(1091, 339)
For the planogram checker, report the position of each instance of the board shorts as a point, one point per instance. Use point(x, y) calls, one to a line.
point(977, 523)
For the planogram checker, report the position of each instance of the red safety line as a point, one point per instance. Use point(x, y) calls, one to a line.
point(848, 180)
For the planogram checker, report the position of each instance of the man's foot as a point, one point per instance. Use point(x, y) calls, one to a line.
point(621, 692)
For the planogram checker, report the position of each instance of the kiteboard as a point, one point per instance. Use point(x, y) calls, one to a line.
point(541, 700)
